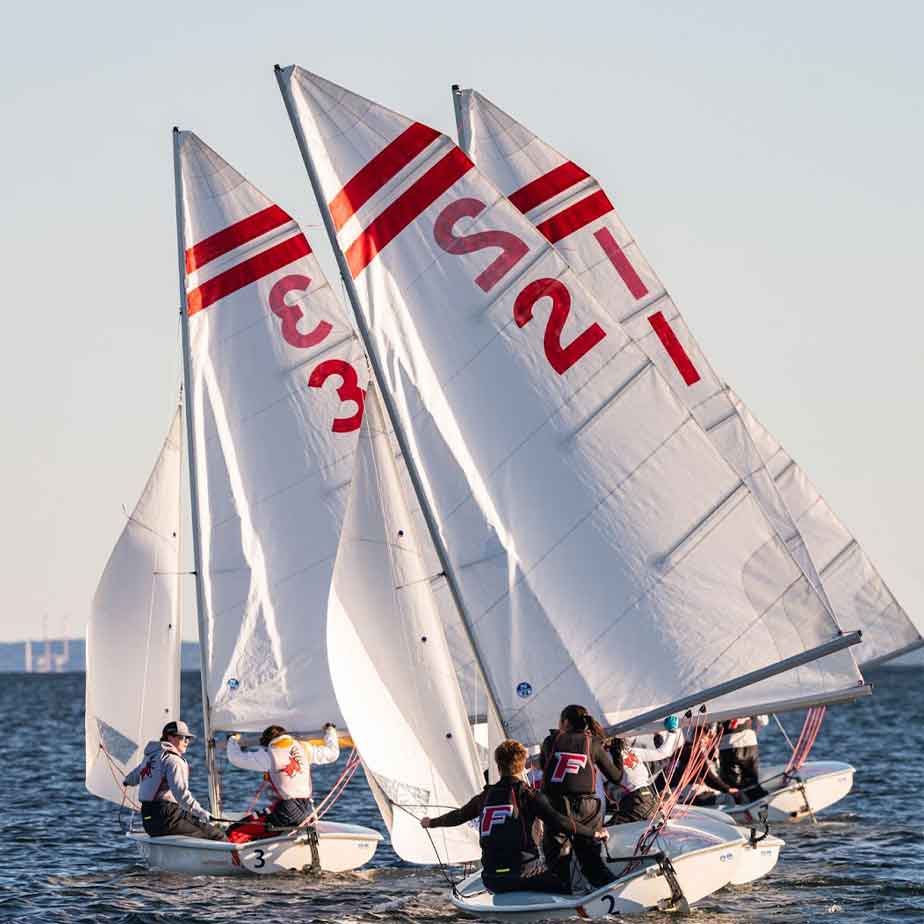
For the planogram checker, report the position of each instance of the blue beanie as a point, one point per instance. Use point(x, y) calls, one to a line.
point(672, 723)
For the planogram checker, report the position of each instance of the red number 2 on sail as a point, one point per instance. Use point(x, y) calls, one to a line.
point(513, 249)
point(348, 390)
point(561, 358)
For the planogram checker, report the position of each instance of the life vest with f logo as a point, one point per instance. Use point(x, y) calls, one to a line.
point(569, 769)
point(503, 832)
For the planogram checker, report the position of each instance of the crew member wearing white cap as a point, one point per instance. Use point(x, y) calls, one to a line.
point(162, 778)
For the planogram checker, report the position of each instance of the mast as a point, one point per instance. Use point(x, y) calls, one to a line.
point(210, 762)
point(386, 398)
point(745, 680)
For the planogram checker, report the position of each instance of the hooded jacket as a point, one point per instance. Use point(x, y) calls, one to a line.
point(163, 775)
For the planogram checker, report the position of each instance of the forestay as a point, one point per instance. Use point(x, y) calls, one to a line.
point(574, 213)
point(859, 595)
point(133, 635)
point(277, 395)
point(606, 553)
point(390, 665)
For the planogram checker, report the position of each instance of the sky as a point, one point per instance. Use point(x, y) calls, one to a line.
point(766, 158)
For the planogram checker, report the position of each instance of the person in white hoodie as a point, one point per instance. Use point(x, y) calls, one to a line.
point(162, 778)
point(286, 762)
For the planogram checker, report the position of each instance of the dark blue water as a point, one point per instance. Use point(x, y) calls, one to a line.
point(63, 859)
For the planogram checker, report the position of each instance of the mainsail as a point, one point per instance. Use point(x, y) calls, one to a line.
point(605, 552)
point(392, 670)
point(859, 595)
point(133, 635)
point(276, 399)
point(575, 214)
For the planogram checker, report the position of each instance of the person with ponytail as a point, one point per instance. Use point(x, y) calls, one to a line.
point(571, 756)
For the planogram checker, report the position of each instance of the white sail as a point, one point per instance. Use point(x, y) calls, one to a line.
point(276, 401)
point(391, 668)
point(133, 635)
point(575, 214)
point(605, 551)
point(859, 595)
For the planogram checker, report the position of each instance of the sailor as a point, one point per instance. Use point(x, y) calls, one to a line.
point(706, 790)
point(739, 758)
point(507, 810)
point(167, 805)
point(636, 793)
point(287, 765)
point(571, 756)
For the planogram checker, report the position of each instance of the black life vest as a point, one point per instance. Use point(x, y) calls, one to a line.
point(504, 830)
point(569, 767)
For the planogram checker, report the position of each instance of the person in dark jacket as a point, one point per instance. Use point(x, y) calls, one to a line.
point(167, 805)
point(506, 811)
point(739, 757)
point(571, 756)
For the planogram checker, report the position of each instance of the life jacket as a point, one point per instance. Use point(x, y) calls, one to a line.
point(290, 771)
point(504, 830)
point(569, 769)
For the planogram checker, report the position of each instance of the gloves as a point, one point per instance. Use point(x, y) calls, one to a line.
point(328, 725)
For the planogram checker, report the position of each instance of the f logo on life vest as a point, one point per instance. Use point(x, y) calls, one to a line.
point(494, 815)
point(568, 763)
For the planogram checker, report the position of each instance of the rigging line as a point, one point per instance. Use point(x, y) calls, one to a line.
point(779, 724)
point(444, 867)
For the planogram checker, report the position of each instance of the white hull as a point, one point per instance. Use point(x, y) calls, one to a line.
point(341, 847)
point(819, 784)
point(703, 860)
point(755, 860)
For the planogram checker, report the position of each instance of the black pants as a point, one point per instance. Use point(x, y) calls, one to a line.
point(287, 813)
point(557, 847)
point(740, 767)
point(638, 805)
point(533, 876)
point(162, 818)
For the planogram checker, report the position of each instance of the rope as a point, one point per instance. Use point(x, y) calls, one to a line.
point(779, 724)
point(810, 729)
point(117, 777)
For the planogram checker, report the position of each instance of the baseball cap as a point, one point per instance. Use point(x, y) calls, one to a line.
point(178, 728)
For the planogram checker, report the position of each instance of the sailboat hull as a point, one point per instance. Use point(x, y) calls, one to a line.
point(755, 858)
point(703, 860)
point(818, 785)
point(341, 847)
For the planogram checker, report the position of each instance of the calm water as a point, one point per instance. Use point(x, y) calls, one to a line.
point(63, 858)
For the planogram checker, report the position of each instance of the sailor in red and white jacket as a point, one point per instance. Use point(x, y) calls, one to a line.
point(286, 762)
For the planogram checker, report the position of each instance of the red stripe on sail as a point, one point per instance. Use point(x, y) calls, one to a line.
point(387, 226)
point(240, 232)
point(674, 348)
point(390, 161)
point(621, 263)
point(246, 272)
point(573, 218)
point(548, 185)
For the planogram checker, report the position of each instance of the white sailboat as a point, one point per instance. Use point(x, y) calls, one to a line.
point(573, 212)
point(596, 546)
point(274, 392)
